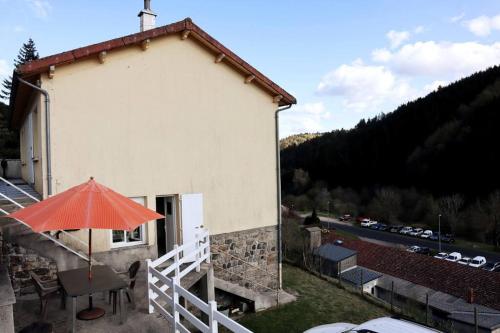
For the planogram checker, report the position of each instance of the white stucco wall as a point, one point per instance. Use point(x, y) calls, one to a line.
point(167, 120)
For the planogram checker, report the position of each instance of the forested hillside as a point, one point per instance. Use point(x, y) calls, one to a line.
point(442, 145)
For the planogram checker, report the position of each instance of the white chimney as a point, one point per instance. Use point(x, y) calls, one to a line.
point(148, 18)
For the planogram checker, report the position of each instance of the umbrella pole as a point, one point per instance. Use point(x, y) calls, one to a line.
point(90, 265)
point(90, 313)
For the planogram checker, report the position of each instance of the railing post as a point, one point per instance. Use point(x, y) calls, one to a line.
point(197, 251)
point(150, 280)
point(207, 241)
point(175, 304)
point(212, 323)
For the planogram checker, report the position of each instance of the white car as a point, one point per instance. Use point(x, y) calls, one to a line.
point(405, 230)
point(454, 257)
point(379, 325)
point(413, 248)
point(426, 234)
point(477, 261)
point(368, 223)
point(465, 261)
point(416, 232)
point(441, 255)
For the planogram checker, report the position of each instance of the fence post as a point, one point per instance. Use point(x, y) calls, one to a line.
point(212, 324)
point(427, 309)
point(339, 273)
point(361, 282)
point(476, 322)
point(392, 296)
point(150, 292)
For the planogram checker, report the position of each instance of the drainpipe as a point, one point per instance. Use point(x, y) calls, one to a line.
point(278, 183)
point(45, 93)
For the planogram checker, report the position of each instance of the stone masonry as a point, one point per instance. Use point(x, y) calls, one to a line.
point(21, 261)
point(248, 257)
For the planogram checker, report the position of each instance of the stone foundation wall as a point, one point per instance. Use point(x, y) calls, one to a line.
point(235, 256)
point(20, 262)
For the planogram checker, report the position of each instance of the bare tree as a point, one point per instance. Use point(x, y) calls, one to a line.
point(450, 208)
point(493, 212)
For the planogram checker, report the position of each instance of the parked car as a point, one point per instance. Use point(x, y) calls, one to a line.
point(464, 261)
point(383, 227)
point(368, 223)
point(447, 238)
point(454, 257)
point(424, 250)
point(345, 217)
point(434, 236)
point(395, 228)
point(413, 249)
point(379, 325)
point(405, 230)
point(441, 255)
point(491, 266)
point(416, 232)
point(375, 226)
point(477, 262)
point(426, 234)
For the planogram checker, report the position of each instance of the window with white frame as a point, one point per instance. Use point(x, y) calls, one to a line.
point(120, 238)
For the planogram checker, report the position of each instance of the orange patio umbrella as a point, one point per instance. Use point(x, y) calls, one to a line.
point(86, 206)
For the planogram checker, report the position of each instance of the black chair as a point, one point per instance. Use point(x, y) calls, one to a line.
point(132, 275)
point(45, 289)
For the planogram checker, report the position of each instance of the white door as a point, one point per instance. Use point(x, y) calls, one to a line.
point(28, 148)
point(191, 218)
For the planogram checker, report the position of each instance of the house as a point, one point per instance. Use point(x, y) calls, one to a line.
point(340, 262)
point(175, 120)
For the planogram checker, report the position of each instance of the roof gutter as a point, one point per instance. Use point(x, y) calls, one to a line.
point(45, 93)
point(278, 184)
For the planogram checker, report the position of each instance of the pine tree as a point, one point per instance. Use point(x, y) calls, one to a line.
point(28, 52)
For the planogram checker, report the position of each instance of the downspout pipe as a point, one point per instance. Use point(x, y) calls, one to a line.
point(45, 93)
point(278, 185)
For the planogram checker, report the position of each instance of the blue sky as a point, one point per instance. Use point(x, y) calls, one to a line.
point(343, 60)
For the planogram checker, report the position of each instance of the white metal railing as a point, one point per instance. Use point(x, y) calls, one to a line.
point(161, 280)
point(48, 236)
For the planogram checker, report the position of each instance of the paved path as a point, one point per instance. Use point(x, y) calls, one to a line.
point(397, 239)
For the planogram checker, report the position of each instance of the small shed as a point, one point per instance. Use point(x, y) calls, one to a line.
point(330, 259)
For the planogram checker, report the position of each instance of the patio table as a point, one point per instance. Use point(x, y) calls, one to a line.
point(76, 283)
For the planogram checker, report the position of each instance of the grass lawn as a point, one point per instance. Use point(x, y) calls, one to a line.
point(318, 302)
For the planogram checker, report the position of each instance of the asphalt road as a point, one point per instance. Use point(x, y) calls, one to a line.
point(396, 239)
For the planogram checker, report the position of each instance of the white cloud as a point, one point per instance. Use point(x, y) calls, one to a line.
point(41, 8)
point(304, 118)
point(434, 85)
point(457, 18)
point(419, 29)
point(442, 59)
point(483, 25)
point(396, 38)
point(365, 88)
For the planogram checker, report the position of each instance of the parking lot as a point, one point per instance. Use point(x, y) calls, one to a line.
point(406, 241)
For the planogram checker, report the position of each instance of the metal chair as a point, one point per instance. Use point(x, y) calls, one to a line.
point(45, 289)
point(132, 275)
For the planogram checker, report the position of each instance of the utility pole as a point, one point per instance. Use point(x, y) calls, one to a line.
point(439, 231)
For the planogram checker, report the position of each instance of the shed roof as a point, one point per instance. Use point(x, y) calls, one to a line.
point(355, 274)
point(334, 252)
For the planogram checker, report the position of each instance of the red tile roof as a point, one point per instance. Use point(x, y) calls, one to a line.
point(42, 65)
point(440, 275)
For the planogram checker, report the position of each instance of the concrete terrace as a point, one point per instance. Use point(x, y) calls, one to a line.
point(138, 320)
